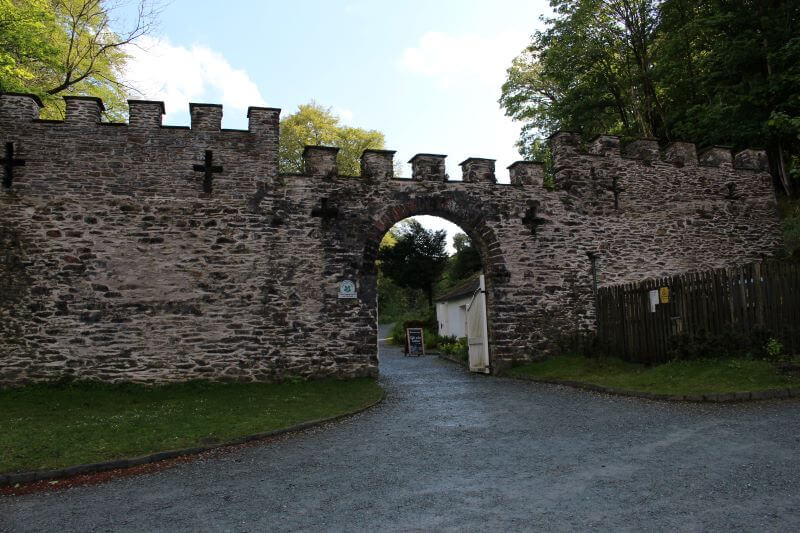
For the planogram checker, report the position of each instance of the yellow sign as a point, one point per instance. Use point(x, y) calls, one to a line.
point(663, 295)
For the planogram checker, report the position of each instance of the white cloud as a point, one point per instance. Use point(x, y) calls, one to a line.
point(453, 59)
point(179, 75)
point(470, 68)
point(344, 114)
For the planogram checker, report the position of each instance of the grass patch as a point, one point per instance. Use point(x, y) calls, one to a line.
point(54, 426)
point(676, 378)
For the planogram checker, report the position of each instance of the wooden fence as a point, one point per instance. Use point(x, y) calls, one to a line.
point(647, 321)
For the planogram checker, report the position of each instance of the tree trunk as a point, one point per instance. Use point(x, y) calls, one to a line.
point(783, 173)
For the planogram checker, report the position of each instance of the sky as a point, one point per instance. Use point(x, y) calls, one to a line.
point(425, 73)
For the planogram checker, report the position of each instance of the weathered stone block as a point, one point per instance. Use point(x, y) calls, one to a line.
point(320, 161)
point(145, 114)
point(428, 167)
point(645, 149)
point(564, 145)
point(478, 170)
point(715, 156)
point(527, 173)
point(377, 164)
point(19, 107)
point(607, 145)
point(83, 110)
point(264, 121)
point(206, 117)
point(681, 154)
point(751, 159)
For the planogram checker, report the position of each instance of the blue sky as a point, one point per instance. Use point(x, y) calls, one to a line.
point(425, 73)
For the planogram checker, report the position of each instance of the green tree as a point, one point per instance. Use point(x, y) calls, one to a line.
point(590, 70)
point(709, 71)
point(731, 75)
point(53, 48)
point(417, 259)
point(397, 303)
point(314, 124)
point(24, 41)
point(467, 259)
point(463, 264)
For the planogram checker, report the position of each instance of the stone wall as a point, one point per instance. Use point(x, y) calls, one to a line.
point(152, 253)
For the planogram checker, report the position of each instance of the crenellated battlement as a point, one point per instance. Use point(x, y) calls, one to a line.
point(320, 161)
point(143, 115)
point(146, 252)
point(567, 145)
point(569, 151)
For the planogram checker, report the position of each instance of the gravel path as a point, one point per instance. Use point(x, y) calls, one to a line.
point(448, 450)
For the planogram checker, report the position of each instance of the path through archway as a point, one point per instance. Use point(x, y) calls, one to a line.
point(456, 303)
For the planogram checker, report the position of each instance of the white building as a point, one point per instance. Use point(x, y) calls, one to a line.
point(451, 308)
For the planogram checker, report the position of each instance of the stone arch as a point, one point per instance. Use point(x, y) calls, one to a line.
point(456, 207)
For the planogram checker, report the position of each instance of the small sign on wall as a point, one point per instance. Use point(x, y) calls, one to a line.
point(658, 296)
point(653, 300)
point(663, 294)
point(347, 289)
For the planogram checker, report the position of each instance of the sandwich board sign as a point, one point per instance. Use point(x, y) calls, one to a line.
point(414, 342)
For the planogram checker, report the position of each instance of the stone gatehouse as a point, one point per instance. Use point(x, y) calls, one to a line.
point(153, 253)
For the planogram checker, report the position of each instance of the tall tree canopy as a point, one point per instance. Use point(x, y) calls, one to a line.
point(417, 258)
point(53, 48)
point(314, 124)
point(708, 71)
point(467, 259)
point(462, 265)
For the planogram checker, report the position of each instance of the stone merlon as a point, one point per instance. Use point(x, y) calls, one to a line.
point(377, 164)
point(320, 161)
point(206, 117)
point(428, 167)
point(145, 114)
point(476, 169)
point(527, 173)
point(84, 110)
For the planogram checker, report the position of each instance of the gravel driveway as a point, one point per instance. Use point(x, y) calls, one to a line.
point(448, 450)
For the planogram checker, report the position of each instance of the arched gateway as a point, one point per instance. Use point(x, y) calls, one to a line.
point(146, 252)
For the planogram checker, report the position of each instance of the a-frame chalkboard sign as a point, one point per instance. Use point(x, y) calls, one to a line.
point(415, 344)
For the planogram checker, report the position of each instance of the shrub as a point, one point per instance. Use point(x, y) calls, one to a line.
point(730, 343)
point(774, 348)
point(432, 339)
point(429, 325)
point(456, 348)
point(398, 334)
